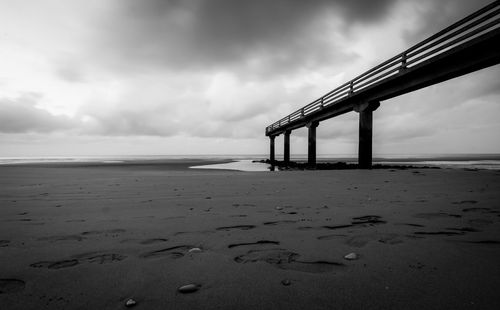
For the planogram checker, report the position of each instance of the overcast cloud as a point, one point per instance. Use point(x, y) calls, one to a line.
point(193, 76)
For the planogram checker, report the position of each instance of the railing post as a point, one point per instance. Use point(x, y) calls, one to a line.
point(311, 147)
point(322, 103)
point(302, 112)
point(365, 133)
point(404, 59)
point(351, 87)
point(286, 153)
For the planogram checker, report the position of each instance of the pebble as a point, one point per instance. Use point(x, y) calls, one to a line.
point(194, 250)
point(351, 256)
point(286, 282)
point(189, 288)
point(130, 303)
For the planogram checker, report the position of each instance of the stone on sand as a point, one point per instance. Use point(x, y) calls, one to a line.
point(189, 288)
point(130, 303)
point(351, 256)
point(286, 282)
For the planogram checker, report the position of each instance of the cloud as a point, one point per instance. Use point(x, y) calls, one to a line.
point(434, 16)
point(20, 115)
point(251, 37)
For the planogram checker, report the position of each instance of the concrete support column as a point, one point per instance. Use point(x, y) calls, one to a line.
point(311, 150)
point(365, 133)
point(286, 152)
point(271, 149)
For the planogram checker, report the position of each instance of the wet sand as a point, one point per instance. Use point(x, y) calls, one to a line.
point(91, 237)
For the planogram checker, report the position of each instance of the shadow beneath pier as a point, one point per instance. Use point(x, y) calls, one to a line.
point(292, 165)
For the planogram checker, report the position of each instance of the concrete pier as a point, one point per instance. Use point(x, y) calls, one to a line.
point(271, 149)
point(365, 133)
point(311, 149)
point(286, 153)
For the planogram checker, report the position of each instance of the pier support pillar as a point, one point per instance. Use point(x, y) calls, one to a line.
point(365, 111)
point(311, 150)
point(271, 149)
point(286, 153)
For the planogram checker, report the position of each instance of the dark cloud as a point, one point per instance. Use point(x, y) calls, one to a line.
point(437, 15)
point(20, 115)
point(260, 36)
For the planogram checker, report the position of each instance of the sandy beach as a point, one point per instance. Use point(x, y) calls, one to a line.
point(94, 236)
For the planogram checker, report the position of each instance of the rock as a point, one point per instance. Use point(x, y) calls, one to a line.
point(351, 256)
point(130, 303)
point(189, 288)
point(286, 282)
point(194, 250)
point(279, 208)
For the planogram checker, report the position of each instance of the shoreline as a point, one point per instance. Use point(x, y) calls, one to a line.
point(459, 161)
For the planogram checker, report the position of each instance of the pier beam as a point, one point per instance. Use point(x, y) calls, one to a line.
point(271, 149)
point(286, 153)
point(311, 149)
point(365, 111)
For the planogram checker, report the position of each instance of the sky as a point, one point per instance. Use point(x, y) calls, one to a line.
point(175, 77)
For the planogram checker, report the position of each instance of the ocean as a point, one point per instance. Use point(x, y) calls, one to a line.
point(244, 162)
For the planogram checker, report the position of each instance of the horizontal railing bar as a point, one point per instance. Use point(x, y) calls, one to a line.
point(332, 99)
point(374, 68)
point(381, 70)
point(330, 92)
point(454, 26)
point(454, 42)
point(455, 33)
point(337, 90)
point(378, 79)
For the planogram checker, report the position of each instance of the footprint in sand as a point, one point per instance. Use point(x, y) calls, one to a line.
point(106, 231)
point(439, 233)
point(331, 237)
point(260, 242)
point(171, 252)
point(95, 258)
point(279, 222)
point(56, 264)
point(284, 259)
point(8, 286)
point(367, 219)
point(237, 227)
point(410, 224)
point(464, 229)
point(363, 221)
point(479, 210)
point(362, 240)
point(464, 202)
point(105, 258)
point(145, 241)
point(429, 216)
point(153, 241)
point(62, 238)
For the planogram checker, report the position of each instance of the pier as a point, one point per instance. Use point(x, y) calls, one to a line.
point(468, 45)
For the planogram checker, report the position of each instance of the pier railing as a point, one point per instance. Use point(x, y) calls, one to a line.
point(472, 26)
